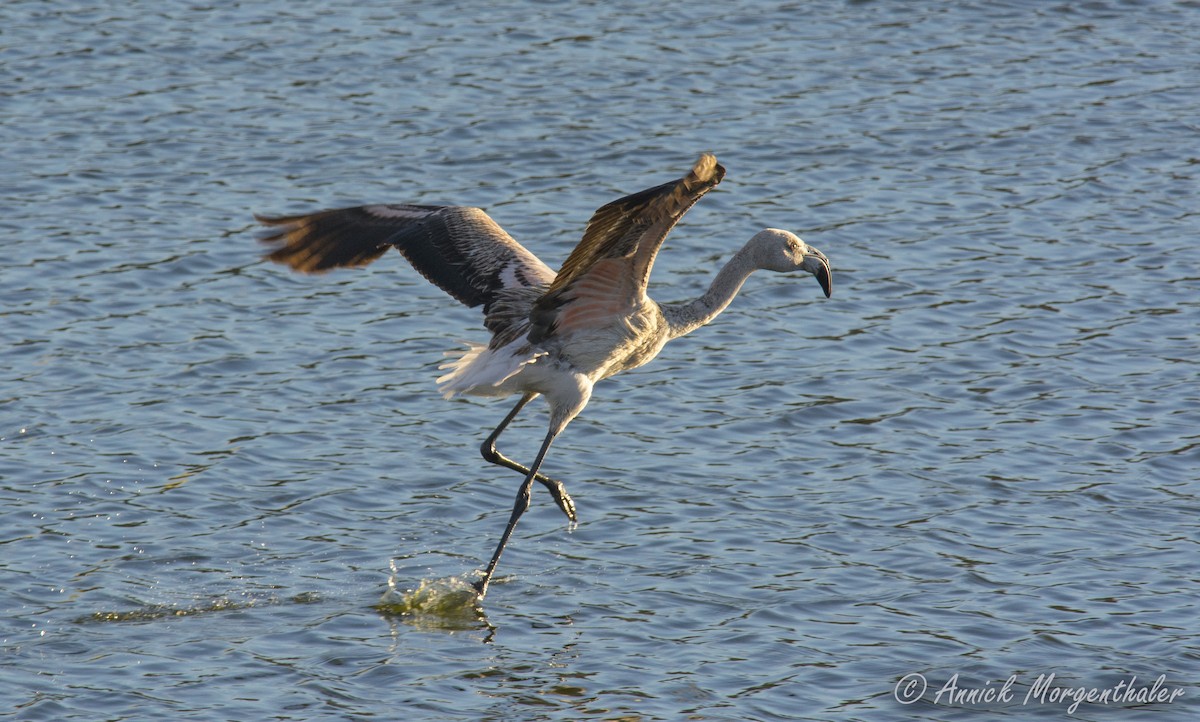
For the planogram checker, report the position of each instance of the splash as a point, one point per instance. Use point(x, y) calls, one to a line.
point(448, 603)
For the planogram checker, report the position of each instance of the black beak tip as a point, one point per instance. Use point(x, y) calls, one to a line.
point(825, 278)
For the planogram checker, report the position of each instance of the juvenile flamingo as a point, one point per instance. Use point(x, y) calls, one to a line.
point(553, 334)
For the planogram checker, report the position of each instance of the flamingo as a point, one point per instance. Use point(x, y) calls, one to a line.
point(553, 334)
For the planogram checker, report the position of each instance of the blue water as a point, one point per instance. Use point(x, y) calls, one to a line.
point(980, 457)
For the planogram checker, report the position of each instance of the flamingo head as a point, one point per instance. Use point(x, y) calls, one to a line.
point(784, 251)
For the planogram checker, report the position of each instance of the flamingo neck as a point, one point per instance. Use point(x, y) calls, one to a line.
point(686, 317)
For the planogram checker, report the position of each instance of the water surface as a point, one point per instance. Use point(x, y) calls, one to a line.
point(979, 457)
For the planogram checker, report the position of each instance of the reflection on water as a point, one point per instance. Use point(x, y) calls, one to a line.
point(154, 612)
point(979, 457)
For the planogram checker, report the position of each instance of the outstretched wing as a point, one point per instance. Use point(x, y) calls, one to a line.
point(457, 248)
point(608, 271)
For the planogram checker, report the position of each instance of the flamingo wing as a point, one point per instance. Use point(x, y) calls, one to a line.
point(608, 271)
point(457, 248)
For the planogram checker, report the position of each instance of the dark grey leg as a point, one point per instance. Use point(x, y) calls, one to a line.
point(488, 449)
point(519, 507)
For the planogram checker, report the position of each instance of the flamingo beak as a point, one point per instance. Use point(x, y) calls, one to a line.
point(817, 264)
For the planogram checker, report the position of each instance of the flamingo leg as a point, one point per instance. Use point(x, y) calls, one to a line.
point(519, 507)
point(556, 488)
